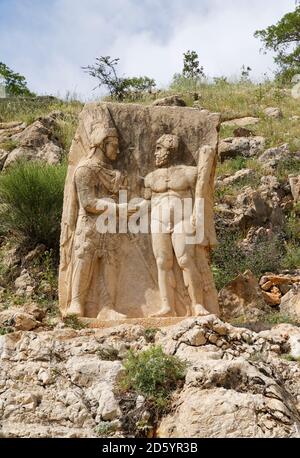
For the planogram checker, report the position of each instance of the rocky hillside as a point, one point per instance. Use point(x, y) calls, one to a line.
point(66, 383)
point(242, 379)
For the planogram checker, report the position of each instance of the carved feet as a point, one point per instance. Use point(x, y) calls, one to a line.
point(74, 309)
point(199, 310)
point(109, 314)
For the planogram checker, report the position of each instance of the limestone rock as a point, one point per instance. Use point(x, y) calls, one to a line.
point(230, 389)
point(18, 319)
point(9, 130)
point(272, 298)
point(242, 132)
point(241, 122)
point(55, 384)
point(242, 297)
point(172, 100)
point(273, 156)
point(256, 207)
point(3, 157)
point(24, 284)
point(239, 176)
point(240, 146)
point(184, 135)
point(273, 112)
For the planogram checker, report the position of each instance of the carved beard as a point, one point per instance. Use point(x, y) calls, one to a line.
point(163, 158)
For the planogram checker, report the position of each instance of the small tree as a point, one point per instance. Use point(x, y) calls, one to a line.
point(245, 74)
point(15, 83)
point(105, 70)
point(284, 39)
point(191, 66)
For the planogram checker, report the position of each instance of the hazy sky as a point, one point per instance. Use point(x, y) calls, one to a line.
point(49, 40)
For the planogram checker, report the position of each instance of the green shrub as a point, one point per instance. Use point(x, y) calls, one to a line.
point(106, 428)
point(31, 199)
point(230, 259)
point(153, 374)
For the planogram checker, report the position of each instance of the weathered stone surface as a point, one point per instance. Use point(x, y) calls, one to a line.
point(273, 112)
point(241, 122)
point(8, 130)
point(3, 157)
point(290, 304)
point(241, 146)
point(56, 384)
point(257, 207)
point(185, 140)
point(238, 177)
point(273, 156)
point(242, 297)
point(242, 132)
point(172, 100)
point(295, 187)
point(37, 142)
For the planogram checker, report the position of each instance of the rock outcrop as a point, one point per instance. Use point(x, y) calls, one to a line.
point(61, 383)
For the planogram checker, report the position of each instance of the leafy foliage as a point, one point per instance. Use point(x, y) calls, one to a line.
point(284, 39)
point(152, 373)
point(230, 259)
point(15, 83)
point(105, 70)
point(31, 199)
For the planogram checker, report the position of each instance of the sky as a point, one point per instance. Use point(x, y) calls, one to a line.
point(48, 41)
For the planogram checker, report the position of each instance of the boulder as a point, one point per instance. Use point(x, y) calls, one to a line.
point(37, 142)
point(18, 319)
point(55, 383)
point(273, 112)
point(242, 297)
point(273, 156)
point(8, 130)
point(290, 304)
point(238, 177)
point(240, 146)
point(258, 207)
point(24, 284)
point(170, 101)
point(241, 122)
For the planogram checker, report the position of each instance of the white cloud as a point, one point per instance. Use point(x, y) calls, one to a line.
point(49, 43)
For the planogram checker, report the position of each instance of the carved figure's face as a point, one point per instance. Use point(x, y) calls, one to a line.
point(162, 155)
point(112, 148)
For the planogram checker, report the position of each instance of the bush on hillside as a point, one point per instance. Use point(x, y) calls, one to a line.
point(31, 200)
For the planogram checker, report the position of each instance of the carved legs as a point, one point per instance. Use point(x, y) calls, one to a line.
point(185, 255)
point(81, 278)
point(163, 252)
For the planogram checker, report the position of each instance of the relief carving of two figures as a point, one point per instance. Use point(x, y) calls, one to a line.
point(90, 258)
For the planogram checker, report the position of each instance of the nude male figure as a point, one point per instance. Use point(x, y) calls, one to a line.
point(165, 186)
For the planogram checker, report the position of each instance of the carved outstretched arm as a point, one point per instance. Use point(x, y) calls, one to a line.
point(85, 186)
